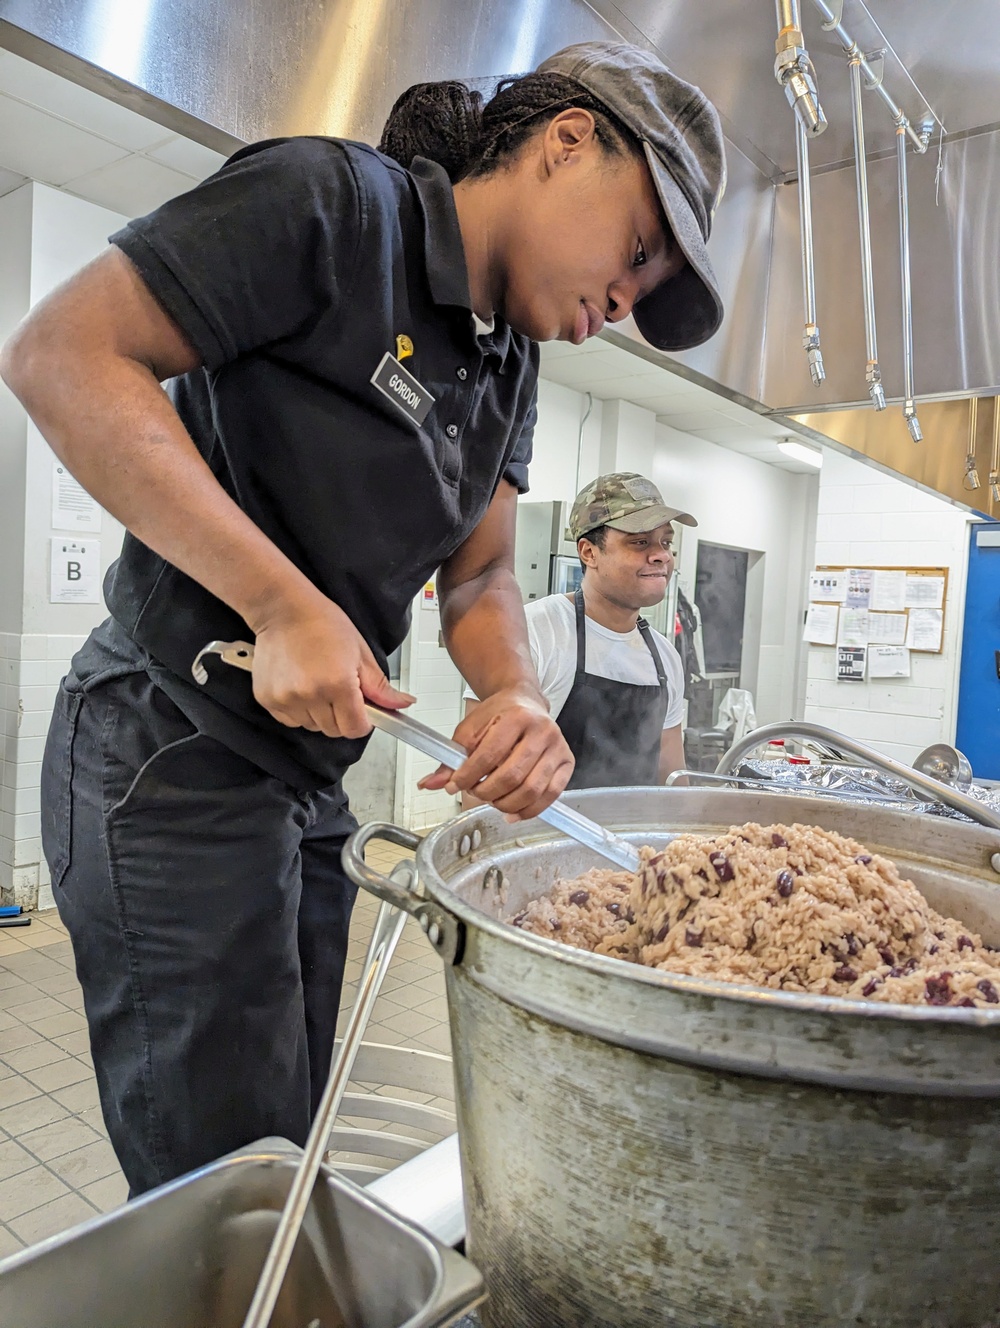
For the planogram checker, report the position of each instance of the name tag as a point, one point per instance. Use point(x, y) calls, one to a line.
point(402, 389)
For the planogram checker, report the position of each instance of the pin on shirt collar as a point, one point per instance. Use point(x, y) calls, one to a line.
point(404, 346)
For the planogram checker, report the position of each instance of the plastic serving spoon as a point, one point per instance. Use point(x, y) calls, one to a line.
point(439, 748)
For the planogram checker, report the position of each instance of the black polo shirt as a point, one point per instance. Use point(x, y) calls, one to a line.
point(292, 272)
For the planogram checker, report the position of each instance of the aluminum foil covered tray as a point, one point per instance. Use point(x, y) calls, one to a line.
point(857, 782)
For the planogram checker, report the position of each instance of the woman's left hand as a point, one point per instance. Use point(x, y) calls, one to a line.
point(518, 758)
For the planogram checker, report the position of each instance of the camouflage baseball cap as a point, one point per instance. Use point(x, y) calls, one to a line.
point(623, 501)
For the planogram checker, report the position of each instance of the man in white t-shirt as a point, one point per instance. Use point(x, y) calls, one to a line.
point(614, 685)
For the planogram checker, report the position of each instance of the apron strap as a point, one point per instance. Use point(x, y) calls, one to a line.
point(644, 632)
point(647, 636)
point(581, 631)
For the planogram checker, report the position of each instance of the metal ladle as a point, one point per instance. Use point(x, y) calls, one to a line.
point(947, 763)
point(410, 731)
point(381, 948)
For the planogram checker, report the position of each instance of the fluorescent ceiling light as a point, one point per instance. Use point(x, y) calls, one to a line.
point(811, 456)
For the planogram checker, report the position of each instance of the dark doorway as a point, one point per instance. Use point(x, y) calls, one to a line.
point(720, 594)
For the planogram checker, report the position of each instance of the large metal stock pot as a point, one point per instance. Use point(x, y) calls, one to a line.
point(642, 1149)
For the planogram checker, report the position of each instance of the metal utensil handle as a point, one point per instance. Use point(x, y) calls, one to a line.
point(802, 728)
point(576, 826)
point(383, 887)
point(380, 951)
point(444, 931)
point(761, 784)
point(417, 735)
point(571, 823)
point(426, 740)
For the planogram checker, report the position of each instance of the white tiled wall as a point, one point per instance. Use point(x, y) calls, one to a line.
point(865, 518)
point(738, 501)
point(32, 667)
point(427, 673)
point(744, 503)
point(47, 236)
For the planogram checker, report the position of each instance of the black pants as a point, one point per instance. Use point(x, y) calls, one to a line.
point(209, 917)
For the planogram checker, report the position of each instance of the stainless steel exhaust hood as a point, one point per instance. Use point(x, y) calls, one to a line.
point(226, 71)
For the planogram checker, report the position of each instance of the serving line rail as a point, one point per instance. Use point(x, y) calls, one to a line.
point(915, 779)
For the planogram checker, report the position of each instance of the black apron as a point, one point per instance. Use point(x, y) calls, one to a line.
point(613, 728)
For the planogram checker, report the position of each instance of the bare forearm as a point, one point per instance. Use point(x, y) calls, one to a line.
point(486, 634)
point(672, 753)
point(110, 421)
point(485, 631)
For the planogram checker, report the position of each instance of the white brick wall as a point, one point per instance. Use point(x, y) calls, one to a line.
point(428, 673)
point(747, 504)
point(31, 667)
point(866, 518)
point(47, 235)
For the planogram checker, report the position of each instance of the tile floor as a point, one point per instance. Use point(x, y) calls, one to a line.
point(57, 1167)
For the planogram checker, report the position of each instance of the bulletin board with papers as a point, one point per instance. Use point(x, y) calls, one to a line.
point(875, 616)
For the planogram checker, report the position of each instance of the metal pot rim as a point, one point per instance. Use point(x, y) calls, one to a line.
point(611, 969)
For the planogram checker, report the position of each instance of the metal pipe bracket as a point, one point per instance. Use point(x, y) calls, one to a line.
point(873, 69)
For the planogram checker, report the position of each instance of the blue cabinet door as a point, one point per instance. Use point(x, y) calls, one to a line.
point(978, 731)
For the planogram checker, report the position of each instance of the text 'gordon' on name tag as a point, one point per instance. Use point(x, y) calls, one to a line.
point(402, 388)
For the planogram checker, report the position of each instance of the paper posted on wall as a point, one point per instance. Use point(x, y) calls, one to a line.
point(72, 506)
point(851, 663)
point(887, 629)
point(888, 592)
point(924, 629)
point(821, 624)
point(828, 586)
point(859, 587)
point(888, 662)
point(924, 592)
point(855, 627)
point(75, 571)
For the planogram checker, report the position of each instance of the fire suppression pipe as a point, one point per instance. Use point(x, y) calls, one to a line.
point(831, 16)
point(873, 375)
point(794, 70)
point(790, 41)
point(995, 455)
point(909, 405)
point(795, 74)
point(810, 333)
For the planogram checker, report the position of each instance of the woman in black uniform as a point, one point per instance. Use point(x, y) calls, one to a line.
point(350, 343)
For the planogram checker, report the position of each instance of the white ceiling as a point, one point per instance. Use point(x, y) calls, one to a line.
point(612, 372)
point(65, 136)
point(75, 140)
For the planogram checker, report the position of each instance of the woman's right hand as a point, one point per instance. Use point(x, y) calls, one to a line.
point(312, 669)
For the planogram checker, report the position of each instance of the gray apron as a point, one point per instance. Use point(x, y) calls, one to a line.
point(613, 728)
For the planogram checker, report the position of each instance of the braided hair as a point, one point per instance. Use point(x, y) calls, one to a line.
point(468, 136)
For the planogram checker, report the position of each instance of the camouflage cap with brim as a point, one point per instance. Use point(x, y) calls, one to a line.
point(624, 501)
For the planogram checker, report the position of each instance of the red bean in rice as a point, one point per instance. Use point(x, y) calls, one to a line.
point(794, 907)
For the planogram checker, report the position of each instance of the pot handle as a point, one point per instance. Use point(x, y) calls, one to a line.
point(444, 931)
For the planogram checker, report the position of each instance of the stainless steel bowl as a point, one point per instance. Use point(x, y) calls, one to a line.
point(188, 1255)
